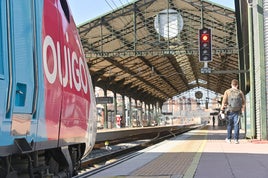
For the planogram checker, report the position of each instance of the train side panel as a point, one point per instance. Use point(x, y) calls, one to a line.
point(68, 69)
point(46, 88)
point(19, 72)
point(47, 103)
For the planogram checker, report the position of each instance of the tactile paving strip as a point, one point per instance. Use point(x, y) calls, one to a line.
point(178, 159)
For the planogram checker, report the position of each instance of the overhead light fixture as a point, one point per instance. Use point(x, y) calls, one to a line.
point(168, 23)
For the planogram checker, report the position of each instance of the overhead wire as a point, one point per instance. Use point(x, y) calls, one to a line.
point(114, 7)
point(125, 20)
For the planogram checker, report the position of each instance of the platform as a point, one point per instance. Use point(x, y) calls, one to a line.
point(199, 153)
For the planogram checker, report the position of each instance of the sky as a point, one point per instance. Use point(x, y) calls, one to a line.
point(84, 10)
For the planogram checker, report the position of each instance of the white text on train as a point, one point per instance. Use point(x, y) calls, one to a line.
point(77, 75)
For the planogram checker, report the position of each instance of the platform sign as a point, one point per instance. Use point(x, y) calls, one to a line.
point(104, 100)
point(167, 113)
point(206, 70)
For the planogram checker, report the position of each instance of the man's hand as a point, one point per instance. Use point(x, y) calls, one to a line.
point(222, 114)
point(241, 113)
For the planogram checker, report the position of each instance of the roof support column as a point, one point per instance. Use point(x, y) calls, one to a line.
point(130, 112)
point(142, 112)
point(105, 111)
point(158, 111)
point(260, 70)
point(142, 121)
point(250, 122)
point(124, 111)
point(154, 112)
point(136, 114)
point(145, 112)
point(115, 108)
point(149, 113)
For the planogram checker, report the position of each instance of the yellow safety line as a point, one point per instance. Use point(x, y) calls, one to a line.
point(192, 168)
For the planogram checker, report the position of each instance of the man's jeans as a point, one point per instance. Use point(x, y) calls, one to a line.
point(233, 123)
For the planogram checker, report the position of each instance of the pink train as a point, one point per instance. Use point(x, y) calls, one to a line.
point(47, 103)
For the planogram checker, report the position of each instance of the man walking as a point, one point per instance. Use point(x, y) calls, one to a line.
point(233, 103)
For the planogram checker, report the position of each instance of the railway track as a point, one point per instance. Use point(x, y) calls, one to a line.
point(103, 157)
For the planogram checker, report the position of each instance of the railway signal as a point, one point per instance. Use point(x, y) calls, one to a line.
point(205, 46)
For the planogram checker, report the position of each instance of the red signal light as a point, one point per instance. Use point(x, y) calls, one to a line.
point(205, 37)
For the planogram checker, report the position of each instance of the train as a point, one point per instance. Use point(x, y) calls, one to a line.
point(48, 115)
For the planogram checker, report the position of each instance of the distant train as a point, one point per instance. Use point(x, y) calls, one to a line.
point(47, 104)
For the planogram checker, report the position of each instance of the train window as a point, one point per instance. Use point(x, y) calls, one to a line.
point(65, 8)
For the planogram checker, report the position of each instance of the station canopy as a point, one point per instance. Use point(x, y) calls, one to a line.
point(148, 49)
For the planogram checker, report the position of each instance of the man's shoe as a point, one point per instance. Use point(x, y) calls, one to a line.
point(228, 140)
point(236, 142)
